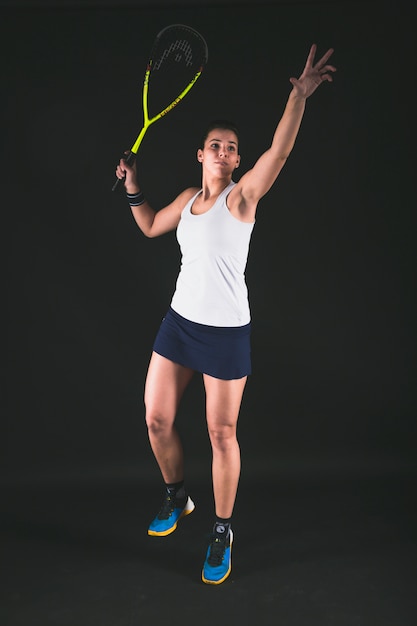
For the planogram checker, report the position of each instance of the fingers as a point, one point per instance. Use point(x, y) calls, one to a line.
point(323, 68)
point(324, 73)
point(124, 167)
point(311, 55)
point(121, 169)
point(327, 77)
point(324, 58)
point(319, 64)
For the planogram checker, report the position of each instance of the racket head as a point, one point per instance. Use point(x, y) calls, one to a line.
point(178, 57)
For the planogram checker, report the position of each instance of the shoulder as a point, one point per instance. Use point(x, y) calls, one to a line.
point(168, 218)
point(179, 203)
point(187, 194)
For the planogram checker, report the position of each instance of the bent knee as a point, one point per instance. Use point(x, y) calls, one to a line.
point(158, 423)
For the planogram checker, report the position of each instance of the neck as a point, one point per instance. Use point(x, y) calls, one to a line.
point(214, 186)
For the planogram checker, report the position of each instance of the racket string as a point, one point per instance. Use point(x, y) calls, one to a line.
point(177, 56)
point(183, 46)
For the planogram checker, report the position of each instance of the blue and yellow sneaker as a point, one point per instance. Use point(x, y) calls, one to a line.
point(172, 510)
point(218, 563)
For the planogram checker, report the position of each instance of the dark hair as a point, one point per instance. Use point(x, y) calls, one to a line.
point(224, 124)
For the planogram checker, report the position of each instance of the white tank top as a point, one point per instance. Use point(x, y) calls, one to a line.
point(211, 287)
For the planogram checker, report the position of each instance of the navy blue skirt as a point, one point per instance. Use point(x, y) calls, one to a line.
point(221, 352)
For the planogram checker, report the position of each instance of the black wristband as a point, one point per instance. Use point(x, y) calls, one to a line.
point(135, 199)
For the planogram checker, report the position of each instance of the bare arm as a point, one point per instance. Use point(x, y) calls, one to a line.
point(152, 223)
point(257, 181)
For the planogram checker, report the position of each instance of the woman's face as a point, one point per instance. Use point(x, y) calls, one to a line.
point(220, 153)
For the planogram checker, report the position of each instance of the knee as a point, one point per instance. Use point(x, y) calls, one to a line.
point(223, 436)
point(157, 424)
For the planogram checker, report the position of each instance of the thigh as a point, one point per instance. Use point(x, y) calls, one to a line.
point(164, 386)
point(223, 400)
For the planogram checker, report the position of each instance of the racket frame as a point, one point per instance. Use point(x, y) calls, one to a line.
point(147, 122)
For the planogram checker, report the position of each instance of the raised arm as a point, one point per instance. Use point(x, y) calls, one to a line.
point(152, 223)
point(257, 181)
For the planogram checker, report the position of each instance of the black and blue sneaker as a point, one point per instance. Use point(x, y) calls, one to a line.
point(218, 563)
point(172, 510)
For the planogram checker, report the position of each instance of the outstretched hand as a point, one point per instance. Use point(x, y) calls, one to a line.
point(313, 74)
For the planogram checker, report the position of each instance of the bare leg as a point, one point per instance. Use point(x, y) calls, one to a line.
point(223, 400)
point(164, 387)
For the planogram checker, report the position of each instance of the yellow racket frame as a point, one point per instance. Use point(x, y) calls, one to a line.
point(148, 122)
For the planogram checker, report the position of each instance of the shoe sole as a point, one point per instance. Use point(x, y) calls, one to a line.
point(189, 508)
point(219, 582)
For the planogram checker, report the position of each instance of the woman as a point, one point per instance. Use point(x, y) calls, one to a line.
point(207, 327)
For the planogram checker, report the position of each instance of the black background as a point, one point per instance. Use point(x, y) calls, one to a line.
point(331, 271)
point(325, 525)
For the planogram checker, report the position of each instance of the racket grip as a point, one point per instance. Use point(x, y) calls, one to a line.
point(129, 158)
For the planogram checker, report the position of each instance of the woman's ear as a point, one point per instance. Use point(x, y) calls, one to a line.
point(199, 155)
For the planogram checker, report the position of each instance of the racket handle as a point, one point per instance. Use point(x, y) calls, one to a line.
point(129, 158)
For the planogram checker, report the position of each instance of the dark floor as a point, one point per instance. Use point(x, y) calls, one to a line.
point(306, 553)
